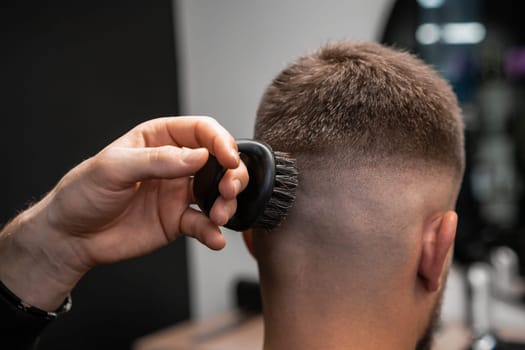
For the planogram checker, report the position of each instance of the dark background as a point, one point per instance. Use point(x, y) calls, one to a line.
point(74, 76)
point(477, 235)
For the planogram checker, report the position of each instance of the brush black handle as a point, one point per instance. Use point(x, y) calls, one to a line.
point(260, 162)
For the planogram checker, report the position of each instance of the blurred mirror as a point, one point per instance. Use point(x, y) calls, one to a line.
point(479, 46)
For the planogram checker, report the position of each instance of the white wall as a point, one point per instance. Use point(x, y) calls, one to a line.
point(229, 50)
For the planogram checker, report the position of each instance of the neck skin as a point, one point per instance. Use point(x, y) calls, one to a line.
point(342, 272)
point(331, 314)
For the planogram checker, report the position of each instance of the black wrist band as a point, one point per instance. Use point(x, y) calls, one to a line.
point(20, 323)
point(19, 305)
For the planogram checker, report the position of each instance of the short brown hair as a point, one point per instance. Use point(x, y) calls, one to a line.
point(372, 100)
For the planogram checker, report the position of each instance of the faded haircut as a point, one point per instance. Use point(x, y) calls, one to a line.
point(366, 101)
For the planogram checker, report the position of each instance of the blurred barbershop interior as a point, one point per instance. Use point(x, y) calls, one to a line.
point(76, 74)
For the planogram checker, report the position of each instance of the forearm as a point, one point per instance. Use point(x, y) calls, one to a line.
point(33, 260)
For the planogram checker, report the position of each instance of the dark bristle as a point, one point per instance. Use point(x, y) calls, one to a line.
point(283, 195)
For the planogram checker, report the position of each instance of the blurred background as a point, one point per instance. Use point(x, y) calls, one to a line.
point(75, 75)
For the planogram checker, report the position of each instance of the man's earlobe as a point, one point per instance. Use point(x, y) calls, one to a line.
point(248, 241)
point(438, 239)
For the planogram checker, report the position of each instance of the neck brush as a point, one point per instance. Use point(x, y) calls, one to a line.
point(270, 192)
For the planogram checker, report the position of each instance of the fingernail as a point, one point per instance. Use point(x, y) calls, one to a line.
point(237, 186)
point(235, 154)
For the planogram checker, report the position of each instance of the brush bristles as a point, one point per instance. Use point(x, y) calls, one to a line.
point(283, 195)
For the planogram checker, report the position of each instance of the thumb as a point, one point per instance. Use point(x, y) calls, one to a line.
point(193, 159)
point(130, 165)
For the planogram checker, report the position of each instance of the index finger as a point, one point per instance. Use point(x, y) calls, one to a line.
point(192, 132)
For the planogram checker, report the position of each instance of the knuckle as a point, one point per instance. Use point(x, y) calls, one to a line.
point(103, 163)
point(208, 119)
point(232, 208)
point(155, 155)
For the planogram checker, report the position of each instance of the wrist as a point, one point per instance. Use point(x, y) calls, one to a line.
point(35, 260)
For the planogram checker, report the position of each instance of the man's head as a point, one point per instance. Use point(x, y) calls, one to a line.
point(378, 139)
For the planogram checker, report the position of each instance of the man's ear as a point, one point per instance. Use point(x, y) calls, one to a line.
point(248, 241)
point(438, 239)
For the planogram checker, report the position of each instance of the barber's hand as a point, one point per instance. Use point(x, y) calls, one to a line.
point(128, 200)
point(134, 196)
